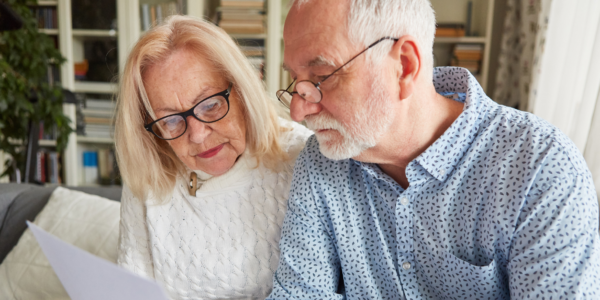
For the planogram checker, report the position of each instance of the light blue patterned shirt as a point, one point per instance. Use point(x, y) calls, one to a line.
point(502, 206)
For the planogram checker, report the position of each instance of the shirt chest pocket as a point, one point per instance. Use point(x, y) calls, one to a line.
point(462, 280)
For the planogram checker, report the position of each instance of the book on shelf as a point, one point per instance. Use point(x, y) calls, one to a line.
point(242, 28)
point(46, 17)
point(450, 30)
point(100, 167)
point(154, 14)
point(468, 56)
point(241, 17)
point(106, 166)
point(253, 50)
point(243, 3)
point(48, 132)
point(98, 118)
point(100, 104)
point(48, 167)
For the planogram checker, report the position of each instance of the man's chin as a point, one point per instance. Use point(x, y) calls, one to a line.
point(338, 150)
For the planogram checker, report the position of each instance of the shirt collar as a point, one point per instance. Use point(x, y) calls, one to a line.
point(445, 153)
point(441, 158)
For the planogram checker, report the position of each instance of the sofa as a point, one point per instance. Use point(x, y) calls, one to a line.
point(85, 217)
point(21, 202)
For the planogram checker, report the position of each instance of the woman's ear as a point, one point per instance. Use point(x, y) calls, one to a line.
point(406, 54)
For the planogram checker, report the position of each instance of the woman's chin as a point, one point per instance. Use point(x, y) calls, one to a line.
point(214, 166)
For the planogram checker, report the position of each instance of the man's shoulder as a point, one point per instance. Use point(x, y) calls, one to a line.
point(533, 139)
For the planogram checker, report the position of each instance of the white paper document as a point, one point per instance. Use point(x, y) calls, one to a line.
point(88, 277)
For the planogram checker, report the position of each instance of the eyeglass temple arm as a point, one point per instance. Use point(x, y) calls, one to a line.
point(355, 56)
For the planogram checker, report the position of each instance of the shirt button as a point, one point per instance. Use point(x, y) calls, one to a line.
point(406, 265)
point(404, 201)
point(442, 172)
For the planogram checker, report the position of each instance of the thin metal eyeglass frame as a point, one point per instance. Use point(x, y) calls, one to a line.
point(318, 84)
point(190, 112)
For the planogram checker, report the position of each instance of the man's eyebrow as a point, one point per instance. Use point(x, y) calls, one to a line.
point(319, 61)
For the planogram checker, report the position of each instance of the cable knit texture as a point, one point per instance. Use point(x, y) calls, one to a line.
point(221, 244)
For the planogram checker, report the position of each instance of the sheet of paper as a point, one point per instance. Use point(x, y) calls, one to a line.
point(88, 277)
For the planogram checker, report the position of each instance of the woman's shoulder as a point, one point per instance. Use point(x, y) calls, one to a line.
point(293, 137)
point(150, 198)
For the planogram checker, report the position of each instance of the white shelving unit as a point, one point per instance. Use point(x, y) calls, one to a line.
point(129, 31)
point(455, 11)
point(71, 46)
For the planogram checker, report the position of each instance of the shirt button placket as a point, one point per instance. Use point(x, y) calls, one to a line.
point(404, 234)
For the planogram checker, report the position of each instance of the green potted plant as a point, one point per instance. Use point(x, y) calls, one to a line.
point(25, 55)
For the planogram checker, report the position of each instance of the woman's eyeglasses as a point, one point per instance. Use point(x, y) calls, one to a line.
point(209, 110)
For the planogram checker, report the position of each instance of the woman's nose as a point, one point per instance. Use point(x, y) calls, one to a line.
point(300, 108)
point(197, 131)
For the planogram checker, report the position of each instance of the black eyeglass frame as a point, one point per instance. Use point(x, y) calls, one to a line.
point(190, 112)
point(318, 84)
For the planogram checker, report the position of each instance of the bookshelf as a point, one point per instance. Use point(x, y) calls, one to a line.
point(481, 22)
point(46, 14)
point(114, 26)
point(125, 28)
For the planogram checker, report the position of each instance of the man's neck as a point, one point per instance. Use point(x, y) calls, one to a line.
point(418, 123)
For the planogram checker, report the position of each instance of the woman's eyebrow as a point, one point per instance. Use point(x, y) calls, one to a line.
point(201, 96)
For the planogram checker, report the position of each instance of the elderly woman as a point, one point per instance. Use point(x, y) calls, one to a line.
point(206, 163)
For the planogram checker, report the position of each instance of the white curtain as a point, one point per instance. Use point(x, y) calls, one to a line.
point(566, 81)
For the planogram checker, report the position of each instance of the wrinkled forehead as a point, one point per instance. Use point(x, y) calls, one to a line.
point(315, 32)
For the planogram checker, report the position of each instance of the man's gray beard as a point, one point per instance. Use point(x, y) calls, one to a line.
point(364, 130)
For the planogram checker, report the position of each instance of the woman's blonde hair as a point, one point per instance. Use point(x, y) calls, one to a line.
point(147, 163)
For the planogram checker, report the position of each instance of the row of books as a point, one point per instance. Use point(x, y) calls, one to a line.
point(450, 30)
point(99, 167)
point(97, 116)
point(155, 14)
point(254, 49)
point(48, 167)
point(468, 56)
point(47, 132)
point(46, 17)
point(241, 16)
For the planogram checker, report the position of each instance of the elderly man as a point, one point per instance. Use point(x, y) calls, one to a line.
point(416, 185)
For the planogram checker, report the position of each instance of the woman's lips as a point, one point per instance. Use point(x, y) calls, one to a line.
point(212, 152)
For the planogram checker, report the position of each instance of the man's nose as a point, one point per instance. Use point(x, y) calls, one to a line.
point(300, 108)
point(197, 131)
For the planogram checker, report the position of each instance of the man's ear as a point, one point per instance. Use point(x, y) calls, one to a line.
point(408, 64)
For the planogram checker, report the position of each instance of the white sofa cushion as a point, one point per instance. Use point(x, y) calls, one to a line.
point(86, 221)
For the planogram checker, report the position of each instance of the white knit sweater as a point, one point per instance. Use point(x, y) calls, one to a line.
point(221, 244)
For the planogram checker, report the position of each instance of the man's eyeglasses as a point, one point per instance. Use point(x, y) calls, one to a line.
point(209, 110)
point(310, 91)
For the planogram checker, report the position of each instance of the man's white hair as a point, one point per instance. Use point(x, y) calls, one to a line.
point(370, 20)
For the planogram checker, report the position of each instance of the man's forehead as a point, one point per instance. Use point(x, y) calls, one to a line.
point(314, 22)
point(315, 34)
